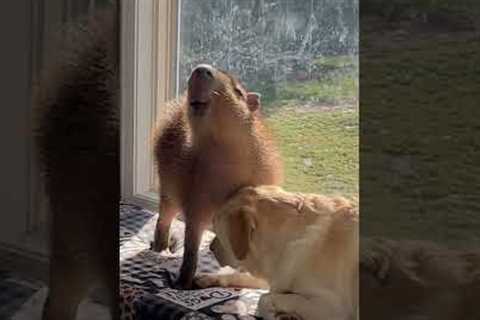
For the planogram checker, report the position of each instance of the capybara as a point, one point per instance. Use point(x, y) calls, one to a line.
point(211, 143)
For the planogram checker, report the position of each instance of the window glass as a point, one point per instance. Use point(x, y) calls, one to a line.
point(302, 56)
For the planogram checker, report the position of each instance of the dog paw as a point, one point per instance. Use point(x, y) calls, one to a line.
point(286, 316)
point(207, 281)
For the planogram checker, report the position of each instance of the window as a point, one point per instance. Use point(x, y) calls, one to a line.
point(148, 60)
point(302, 56)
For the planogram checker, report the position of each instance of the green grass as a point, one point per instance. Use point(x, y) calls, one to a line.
point(426, 187)
point(334, 81)
point(338, 89)
point(340, 61)
point(319, 149)
point(316, 125)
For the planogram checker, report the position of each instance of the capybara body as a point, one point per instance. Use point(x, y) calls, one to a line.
point(211, 143)
point(77, 134)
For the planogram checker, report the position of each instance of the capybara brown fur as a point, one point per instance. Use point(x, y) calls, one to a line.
point(211, 143)
point(77, 134)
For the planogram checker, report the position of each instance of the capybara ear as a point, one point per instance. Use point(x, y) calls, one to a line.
point(240, 228)
point(253, 100)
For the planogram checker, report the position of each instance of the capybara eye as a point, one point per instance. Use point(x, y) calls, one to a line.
point(239, 92)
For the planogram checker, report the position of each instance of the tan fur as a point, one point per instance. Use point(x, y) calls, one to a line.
point(76, 119)
point(418, 280)
point(304, 245)
point(203, 159)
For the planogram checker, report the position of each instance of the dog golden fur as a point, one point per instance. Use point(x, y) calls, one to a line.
point(416, 280)
point(77, 133)
point(303, 246)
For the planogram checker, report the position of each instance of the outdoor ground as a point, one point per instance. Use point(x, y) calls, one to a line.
point(423, 184)
point(319, 148)
point(315, 124)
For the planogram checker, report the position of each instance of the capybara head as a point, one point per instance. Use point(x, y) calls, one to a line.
point(213, 94)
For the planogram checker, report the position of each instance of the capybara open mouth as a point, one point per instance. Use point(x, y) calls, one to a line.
point(199, 108)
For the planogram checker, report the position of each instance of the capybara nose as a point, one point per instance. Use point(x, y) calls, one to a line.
point(203, 71)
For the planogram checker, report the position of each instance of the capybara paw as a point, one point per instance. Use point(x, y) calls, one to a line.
point(207, 281)
point(174, 244)
point(183, 284)
point(160, 242)
point(158, 246)
point(287, 316)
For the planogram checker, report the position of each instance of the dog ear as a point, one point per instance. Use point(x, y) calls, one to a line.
point(240, 228)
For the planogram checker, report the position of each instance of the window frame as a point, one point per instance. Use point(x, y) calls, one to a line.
point(148, 78)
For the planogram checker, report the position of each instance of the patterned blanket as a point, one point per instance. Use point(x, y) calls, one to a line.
point(146, 277)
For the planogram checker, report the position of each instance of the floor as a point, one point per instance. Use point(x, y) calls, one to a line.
point(32, 309)
point(23, 299)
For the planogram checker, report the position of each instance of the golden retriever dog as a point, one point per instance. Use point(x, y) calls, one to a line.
point(304, 247)
point(418, 280)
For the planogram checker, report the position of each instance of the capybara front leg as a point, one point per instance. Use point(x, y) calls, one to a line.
point(167, 212)
point(195, 226)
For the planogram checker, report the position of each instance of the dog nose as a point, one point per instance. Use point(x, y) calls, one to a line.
point(203, 70)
